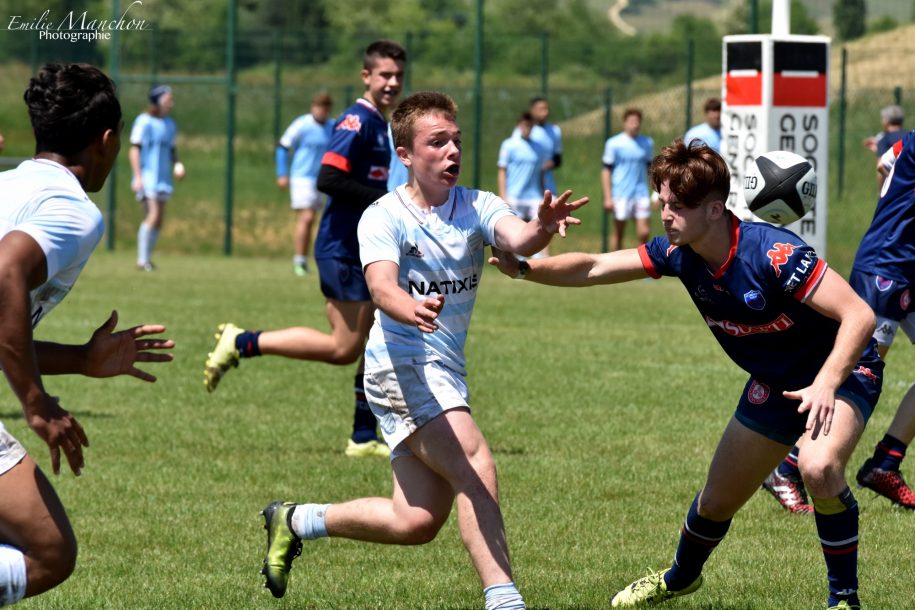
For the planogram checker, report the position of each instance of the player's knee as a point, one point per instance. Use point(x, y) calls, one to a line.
point(716, 507)
point(344, 354)
point(51, 563)
point(420, 527)
point(821, 474)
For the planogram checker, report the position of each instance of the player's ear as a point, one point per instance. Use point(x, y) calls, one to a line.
point(365, 76)
point(716, 209)
point(404, 155)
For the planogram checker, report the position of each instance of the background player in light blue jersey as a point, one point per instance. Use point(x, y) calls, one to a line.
point(709, 131)
point(48, 229)
point(782, 315)
point(153, 159)
point(548, 136)
point(423, 251)
point(626, 158)
point(521, 169)
point(307, 139)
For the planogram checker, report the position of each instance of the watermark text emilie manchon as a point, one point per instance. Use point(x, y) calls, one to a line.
point(76, 27)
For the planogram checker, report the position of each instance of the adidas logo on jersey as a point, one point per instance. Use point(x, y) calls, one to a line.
point(414, 251)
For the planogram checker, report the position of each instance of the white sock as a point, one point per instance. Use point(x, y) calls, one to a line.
point(503, 597)
point(300, 259)
point(308, 521)
point(12, 575)
point(143, 244)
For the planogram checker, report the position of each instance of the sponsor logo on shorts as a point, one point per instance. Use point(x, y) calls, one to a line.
point(758, 393)
point(736, 329)
point(863, 370)
point(905, 299)
point(350, 122)
point(882, 283)
point(778, 256)
point(754, 300)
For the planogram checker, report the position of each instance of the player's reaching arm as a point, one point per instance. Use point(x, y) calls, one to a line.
point(527, 238)
point(575, 268)
point(834, 298)
point(389, 297)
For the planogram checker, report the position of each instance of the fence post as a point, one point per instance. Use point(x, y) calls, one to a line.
point(277, 83)
point(843, 101)
point(408, 73)
point(478, 96)
point(897, 95)
point(690, 59)
point(753, 17)
point(231, 29)
point(114, 70)
point(544, 63)
point(605, 217)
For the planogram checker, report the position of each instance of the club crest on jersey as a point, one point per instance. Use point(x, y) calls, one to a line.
point(754, 300)
point(882, 283)
point(905, 299)
point(758, 393)
point(350, 123)
point(778, 256)
point(414, 251)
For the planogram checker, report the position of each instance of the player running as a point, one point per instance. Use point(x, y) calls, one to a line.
point(783, 316)
point(422, 248)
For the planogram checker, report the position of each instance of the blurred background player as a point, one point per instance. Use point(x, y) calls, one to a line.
point(154, 159)
point(709, 131)
point(892, 119)
point(883, 274)
point(307, 139)
point(49, 229)
point(428, 232)
point(354, 173)
point(624, 180)
point(783, 316)
point(521, 169)
point(548, 136)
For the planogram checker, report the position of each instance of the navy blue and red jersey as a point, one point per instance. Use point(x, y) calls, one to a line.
point(755, 303)
point(360, 147)
point(888, 247)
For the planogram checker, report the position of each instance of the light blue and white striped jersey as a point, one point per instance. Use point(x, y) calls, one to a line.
point(629, 159)
point(439, 252)
point(704, 133)
point(522, 161)
point(44, 200)
point(307, 140)
point(549, 137)
point(156, 138)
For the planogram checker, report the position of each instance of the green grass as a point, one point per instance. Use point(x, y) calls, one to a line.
point(602, 405)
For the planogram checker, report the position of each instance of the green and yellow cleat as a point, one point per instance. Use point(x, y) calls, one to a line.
point(370, 448)
point(282, 546)
point(844, 605)
point(650, 590)
point(223, 356)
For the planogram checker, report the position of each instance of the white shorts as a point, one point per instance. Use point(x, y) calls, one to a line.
point(409, 396)
point(305, 194)
point(886, 329)
point(625, 208)
point(160, 196)
point(525, 208)
point(11, 452)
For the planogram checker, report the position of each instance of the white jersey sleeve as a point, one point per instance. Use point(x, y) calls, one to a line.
point(379, 236)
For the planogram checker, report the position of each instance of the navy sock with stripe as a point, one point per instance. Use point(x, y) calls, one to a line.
point(837, 527)
point(246, 344)
point(698, 539)
point(364, 422)
point(889, 453)
point(788, 467)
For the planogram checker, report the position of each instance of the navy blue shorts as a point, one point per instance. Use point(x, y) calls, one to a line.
point(888, 298)
point(763, 409)
point(342, 279)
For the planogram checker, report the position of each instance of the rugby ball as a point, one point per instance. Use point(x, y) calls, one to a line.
point(780, 187)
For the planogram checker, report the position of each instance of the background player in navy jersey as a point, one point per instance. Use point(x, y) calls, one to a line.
point(423, 250)
point(884, 275)
point(49, 230)
point(306, 139)
point(354, 172)
point(783, 316)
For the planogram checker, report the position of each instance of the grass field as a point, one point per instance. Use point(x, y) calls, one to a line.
point(602, 405)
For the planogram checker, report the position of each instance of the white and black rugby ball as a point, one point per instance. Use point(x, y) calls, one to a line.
point(780, 187)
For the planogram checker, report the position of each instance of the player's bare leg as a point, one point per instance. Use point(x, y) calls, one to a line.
point(302, 239)
point(616, 236)
point(643, 229)
point(350, 322)
point(33, 520)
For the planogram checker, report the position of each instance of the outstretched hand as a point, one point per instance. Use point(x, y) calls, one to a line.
point(555, 214)
point(112, 353)
point(504, 261)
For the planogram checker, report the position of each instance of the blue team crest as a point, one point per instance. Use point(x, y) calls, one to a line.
point(754, 299)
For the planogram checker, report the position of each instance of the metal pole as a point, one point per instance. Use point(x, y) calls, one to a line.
point(753, 17)
point(545, 63)
point(897, 95)
point(114, 69)
point(277, 83)
point(478, 96)
point(843, 101)
point(408, 73)
point(690, 60)
point(231, 29)
point(605, 217)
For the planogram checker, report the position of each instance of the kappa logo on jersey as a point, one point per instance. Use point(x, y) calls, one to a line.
point(444, 286)
point(905, 299)
point(758, 393)
point(350, 123)
point(882, 283)
point(377, 172)
point(754, 300)
point(778, 256)
point(414, 251)
point(736, 329)
point(863, 370)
